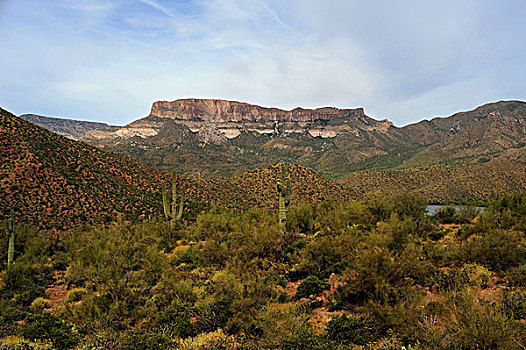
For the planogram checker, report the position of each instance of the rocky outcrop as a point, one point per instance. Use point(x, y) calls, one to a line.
point(216, 121)
point(73, 129)
point(232, 111)
point(231, 118)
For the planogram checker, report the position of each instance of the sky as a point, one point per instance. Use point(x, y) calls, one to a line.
point(405, 60)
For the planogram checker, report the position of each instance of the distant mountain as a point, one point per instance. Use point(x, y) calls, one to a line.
point(74, 129)
point(216, 138)
point(487, 132)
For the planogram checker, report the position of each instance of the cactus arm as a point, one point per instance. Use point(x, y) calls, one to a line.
point(166, 203)
point(287, 192)
point(181, 203)
point(10, 226)
point(174, 199)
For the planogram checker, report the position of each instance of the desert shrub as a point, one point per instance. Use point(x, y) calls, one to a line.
point(446, 215)
point(312, 285)
point(466, 214)
point(31, 245)
point(76, 294)
point(455, 279)
point(282, 327)
point(517, 277)
point(300, 218)
point(345, 330)
point(397, 231)
point(39, 304)
point(475, 324)
point(24, 282)
point(216, 340)
point(410, 205)
point(45, 326)
point(244, 238)
point(382, 276)
point(327, 254)
point(495, 249)
point(17, 343)
point(514, 303)
point(141, 338)
point(99, 340)
point(450, 280)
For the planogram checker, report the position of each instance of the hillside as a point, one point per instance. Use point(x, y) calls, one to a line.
point(473, 136)
point(58, 183)
point(445, 184)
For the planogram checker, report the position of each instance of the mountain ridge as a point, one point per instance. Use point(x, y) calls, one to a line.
point(219, 138)
point(72, 128)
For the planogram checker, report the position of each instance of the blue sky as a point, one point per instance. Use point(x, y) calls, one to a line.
point(109, 60)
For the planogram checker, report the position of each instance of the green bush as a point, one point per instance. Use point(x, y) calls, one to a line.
point(446, 215)
point(346, 330)
point(45, 326)
point(312, 285)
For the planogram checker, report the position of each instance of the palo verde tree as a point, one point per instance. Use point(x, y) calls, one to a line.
point(170, 205)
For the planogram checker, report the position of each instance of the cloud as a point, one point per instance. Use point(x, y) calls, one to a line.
point(405, 60)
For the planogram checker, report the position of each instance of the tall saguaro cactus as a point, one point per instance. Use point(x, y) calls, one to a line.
point(170, 205)
point(10, 230)
point(284, 189)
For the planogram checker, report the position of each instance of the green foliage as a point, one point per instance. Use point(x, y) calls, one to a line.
point(45, 326)
point(152, 285)
point(496, 249)
point(447, 214)
point(18, 343)
point(382, 276)
point(474, 324)
point(345, 330)
point(216, 340)
point(312, 285)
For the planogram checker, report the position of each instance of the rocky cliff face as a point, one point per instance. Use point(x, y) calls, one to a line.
point(231, 118)
point(215, 121)
point(233, 111)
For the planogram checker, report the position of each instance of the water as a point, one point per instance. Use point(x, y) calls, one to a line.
point(432, 208)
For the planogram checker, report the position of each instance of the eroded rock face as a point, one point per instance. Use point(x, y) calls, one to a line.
point(231, 118)
point(232, 111)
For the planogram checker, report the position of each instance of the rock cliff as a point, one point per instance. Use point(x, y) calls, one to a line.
point(228, 119)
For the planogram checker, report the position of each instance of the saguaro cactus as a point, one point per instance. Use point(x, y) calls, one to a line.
point(10, 230)
point(170, 207)
point(284, 189)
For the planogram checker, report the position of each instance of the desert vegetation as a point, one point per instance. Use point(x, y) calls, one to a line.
point(377, 273)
